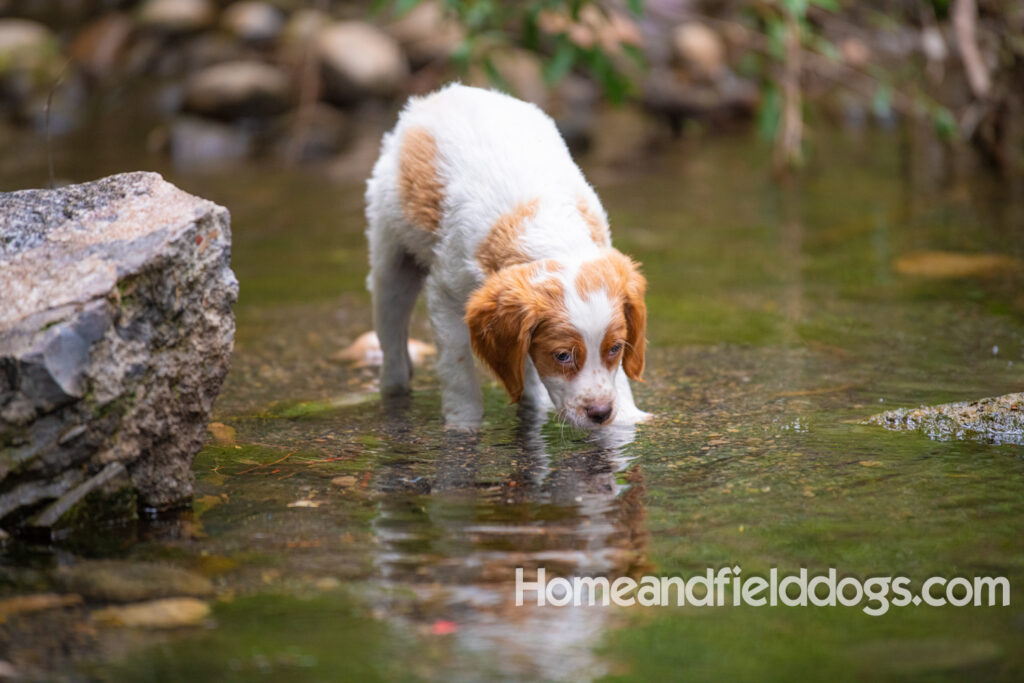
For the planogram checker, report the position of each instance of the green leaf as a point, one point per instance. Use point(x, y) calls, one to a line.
point(776, 33)
point(830, 5)
point(635, 6)
point(882, 102)
point(797, 8)
point(635, 53)
point(495, 77)
point(945, 123)
point(770, 113)
point(403, 7)
point(558, 67)
point(826, 47)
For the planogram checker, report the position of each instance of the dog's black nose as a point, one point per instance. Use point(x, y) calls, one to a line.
point(599, 412)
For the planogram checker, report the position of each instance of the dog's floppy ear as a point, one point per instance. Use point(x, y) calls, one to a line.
point(634, 286)
point(501, 316)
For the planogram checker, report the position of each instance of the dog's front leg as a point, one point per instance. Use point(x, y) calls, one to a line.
point(461, 397)
point(627, 412)
point(535, 395)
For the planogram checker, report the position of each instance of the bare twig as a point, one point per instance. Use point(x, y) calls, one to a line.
point(965, 24)
point(789, 137)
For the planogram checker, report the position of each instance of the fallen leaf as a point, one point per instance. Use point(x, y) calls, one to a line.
point(365, 351)
point(222, 434)
point(344, 481)
point(442, 627)
point(204, 503)
point(870, 463)
point(166, 613)
point(951, 264)
point(304, 503)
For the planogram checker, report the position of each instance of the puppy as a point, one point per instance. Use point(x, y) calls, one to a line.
point(476, 195)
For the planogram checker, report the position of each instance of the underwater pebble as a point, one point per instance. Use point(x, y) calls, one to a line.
point(117, 581)
point(166, 613)
point(36, 603)
point(951, 264)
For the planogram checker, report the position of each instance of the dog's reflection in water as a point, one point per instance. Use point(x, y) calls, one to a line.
point(453, 527)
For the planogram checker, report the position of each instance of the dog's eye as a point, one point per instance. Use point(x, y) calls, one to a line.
point(563, 357)
point(614, 350)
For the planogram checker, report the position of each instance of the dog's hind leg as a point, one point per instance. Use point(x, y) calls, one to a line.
point(395, 280)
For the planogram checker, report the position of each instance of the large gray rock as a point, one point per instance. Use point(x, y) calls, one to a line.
point(116, 331)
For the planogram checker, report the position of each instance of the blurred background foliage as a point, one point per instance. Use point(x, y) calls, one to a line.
point(237, 79)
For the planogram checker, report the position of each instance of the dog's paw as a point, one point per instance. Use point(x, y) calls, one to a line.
point(462, 426)
point(392, 389)
point(628, 418)
point(463, 418)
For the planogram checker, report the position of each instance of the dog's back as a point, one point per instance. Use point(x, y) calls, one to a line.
point(462, 158)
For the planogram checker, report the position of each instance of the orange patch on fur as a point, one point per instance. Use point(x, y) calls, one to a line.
point(502, 248)
point(419, 184)
point(598, 228)
point(553, 335)
point(617, 275)
point(617, 333)
point(504, 314)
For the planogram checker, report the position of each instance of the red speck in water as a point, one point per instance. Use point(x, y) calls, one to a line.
point(443, 628)
point(199, 239)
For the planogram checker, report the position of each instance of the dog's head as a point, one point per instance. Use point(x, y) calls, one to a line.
point(577, 323)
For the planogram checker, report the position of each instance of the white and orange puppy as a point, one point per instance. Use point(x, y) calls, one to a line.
point(476, 194)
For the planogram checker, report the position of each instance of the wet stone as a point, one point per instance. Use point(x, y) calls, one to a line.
point(999, 419)
point(238, 89)
point(116, 581)
point(115, 333)
point(166, 613)
point(359, 60)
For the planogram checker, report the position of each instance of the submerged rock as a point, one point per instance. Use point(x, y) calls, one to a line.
point(167, 613)
point(999, 419)
point(117, 581)
point(115, 335)
point(196, 142)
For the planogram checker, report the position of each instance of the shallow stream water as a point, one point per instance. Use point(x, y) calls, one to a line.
point(350, 539)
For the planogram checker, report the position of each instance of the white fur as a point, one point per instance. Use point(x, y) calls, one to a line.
point(494, 152)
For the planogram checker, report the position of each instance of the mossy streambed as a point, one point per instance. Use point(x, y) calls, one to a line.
point(350, 540)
